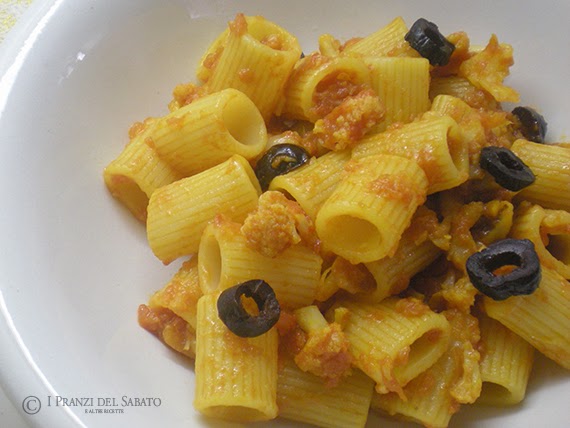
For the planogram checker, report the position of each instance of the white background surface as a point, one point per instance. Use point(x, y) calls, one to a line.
point(9, 416)
point(12, 10)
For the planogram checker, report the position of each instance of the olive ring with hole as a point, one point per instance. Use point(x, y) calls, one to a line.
point(532, 124)
point(237, 319)
point(425, 38)
point(519, 254)
point(278, 160)
point(508, 170)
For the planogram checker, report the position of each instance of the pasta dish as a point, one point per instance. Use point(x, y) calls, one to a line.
point(360, 228)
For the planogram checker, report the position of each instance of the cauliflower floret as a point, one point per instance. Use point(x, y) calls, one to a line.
point(277, 224)
point(488, 68)
point(347, 123)
point(326, 351)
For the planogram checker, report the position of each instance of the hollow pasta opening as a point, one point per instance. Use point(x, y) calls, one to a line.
point(351, 234)
point(458, 151)
point(210, 262)
point(559, 247)
point(244, 122)
point(493, 393)
point(422, 354)
point(129, 192)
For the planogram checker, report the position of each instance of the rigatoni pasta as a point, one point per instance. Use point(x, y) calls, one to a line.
point(246, 367)
point(225, 259)
point(315, 78)
point(435, 143)
point(301, 397)
point(393, 341)
point(542, 319)
point(379, 265)
point(402, 84)
point(137, 172)
point(257, 59)
point(550, 162)
point(209, 131)
point(378, 191)
point(313, 183)
point(179, 213)
point(506, 363)
point(387, 41)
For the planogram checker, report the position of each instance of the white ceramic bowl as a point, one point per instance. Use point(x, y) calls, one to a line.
point(75, 265)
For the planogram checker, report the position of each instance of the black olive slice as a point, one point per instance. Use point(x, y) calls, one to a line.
point(424, 37)
point(237, 319)
point(532, 124)
point(522, 280)
point(508, 170)
point(279, 160)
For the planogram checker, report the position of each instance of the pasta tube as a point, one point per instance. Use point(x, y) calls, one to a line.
point(549, 163)
point(506, 363)
point(365, 216)
point(209, 131)
point(393, 274)
point(462, 88)
point(137, 172)
point(224, 260)
point(313, 183)
point(549, 231)
point(387, 41)
point(541, 318)
point(395, 340)
point(257, 59)
point(236, 377)
point(178, 213)
point(181, 293)
point(317, 83)
point(402, 85)
point(301, 397)
point(436, 394)
point(434, 142)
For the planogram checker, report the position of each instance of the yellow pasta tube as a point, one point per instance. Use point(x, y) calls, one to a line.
point(435, 142)
point(302, 397)
point(209, 131)
point(434, 407)
point(313, 183)
point(342, 274)
point(136, 173)
point(181, 294)
point(506, 363)
point(236, 377)
point(257, 59)
point(435, 395)
point(461, 88)
point(393, 274)
point(387, 41)
point(402, 85)
point(314, 86)
point(395, 340)
point(549, 231)
point(365, 216)
point(224, 260)
point(549, 163)
point(541, 318)
point(468, 119)
point(178, 213)
point(474, 224)
point(172, 329)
